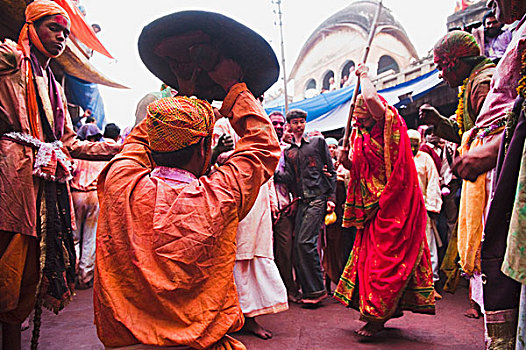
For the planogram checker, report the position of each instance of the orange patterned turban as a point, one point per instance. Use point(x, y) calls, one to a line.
point(175, 123)
point(37, 10)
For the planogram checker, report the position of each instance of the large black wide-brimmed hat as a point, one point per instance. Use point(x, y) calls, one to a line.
point(236, 41)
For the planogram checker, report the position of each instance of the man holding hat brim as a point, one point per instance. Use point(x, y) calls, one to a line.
point(166, 241)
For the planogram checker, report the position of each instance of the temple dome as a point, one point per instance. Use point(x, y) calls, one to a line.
point(348, 30)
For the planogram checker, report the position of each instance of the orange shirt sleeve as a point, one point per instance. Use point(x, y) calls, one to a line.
point(256, 154)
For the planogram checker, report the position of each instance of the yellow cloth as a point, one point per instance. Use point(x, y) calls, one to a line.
point(360, 108)
point(471, 216)
point(175, 123)
point(449, 263)
point(19, 269)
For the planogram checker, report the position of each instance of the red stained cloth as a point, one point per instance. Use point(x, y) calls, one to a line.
point(390, 266)
point(453, 46)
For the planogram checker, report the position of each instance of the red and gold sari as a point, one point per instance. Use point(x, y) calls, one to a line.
point(389, 269)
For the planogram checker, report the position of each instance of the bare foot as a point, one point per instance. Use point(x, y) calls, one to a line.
point(370, 329)
point(255, 328)
point(472, 313)
point(437, 296)
point(294, 299)
point(314, 301)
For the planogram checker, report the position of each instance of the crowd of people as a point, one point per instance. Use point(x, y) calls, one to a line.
point(205, 218)
point(488, 129)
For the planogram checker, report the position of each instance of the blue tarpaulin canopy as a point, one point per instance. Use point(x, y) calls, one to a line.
point(330, 110)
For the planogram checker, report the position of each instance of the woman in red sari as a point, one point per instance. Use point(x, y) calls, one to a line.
point(389, 269)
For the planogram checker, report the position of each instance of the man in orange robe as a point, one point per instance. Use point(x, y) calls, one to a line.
point(36, 142)
point(166, 239)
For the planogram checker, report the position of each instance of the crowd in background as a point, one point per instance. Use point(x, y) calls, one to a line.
point(383, 220)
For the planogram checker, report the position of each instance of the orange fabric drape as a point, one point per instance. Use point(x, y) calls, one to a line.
point(166, 253)
point(28, 35)
point(473, 201)
point(81, 30)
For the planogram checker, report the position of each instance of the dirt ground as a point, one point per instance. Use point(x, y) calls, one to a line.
point(330, 326)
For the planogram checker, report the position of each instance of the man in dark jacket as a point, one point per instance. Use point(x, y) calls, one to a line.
point(310, 173)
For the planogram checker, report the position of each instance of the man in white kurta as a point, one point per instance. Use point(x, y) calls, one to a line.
point(429, 181)
point(259, 285)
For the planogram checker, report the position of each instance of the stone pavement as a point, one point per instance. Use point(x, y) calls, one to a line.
point(330, 326)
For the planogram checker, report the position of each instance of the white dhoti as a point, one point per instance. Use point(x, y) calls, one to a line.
point(432, 243)
point(259, 285)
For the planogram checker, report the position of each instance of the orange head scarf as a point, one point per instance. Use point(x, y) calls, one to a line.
point(175, 123)
point(35, 11)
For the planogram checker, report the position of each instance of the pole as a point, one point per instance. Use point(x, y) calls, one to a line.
point(278, 2)
point(357, 86)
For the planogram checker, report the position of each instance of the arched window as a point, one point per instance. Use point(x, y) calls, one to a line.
point(326, 85)
point(346, 67)
point(311, 84)
point(386, 63)
point(310, 89)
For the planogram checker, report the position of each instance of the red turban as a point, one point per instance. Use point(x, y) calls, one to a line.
point(453, 46)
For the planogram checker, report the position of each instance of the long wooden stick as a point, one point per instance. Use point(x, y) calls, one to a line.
point(357, 86)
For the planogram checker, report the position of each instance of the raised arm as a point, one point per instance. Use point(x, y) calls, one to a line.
point(444, 127)
point(373, 102)
point(256, 154)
